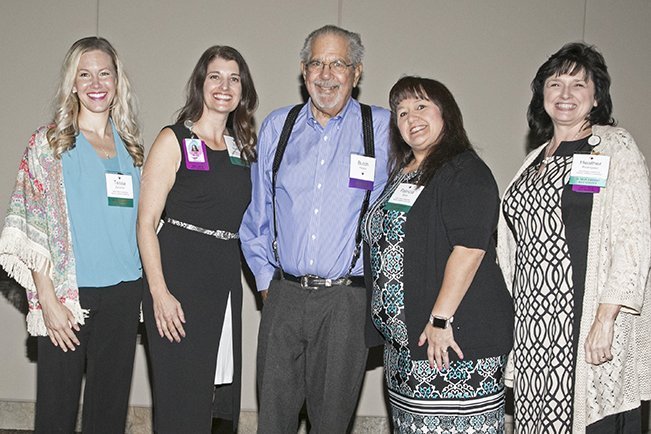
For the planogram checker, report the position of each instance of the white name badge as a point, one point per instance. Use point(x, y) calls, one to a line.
point(362, 172)
point(119, 189)
point(234, 153)
point(404, 197)
point(589, 170)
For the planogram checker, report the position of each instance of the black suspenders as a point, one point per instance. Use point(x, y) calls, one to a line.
point(369, 151)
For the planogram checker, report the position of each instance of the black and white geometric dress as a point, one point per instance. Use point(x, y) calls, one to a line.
point(550, 223)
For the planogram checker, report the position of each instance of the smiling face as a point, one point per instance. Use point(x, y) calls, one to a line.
point(329, 91)
point(420, 124)
point(568, 99)
point(222, 88)
point(95, 81)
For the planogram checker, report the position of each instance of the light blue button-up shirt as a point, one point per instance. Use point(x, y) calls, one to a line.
point(317, 213)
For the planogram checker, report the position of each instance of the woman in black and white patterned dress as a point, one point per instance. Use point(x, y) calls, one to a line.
point(574, 247)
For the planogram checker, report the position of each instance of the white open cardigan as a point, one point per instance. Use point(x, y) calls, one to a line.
point(617, 272)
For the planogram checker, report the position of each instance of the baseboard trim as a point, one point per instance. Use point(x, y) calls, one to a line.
point(19, 415)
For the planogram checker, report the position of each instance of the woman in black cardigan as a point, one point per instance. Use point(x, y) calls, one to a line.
point(439, 299)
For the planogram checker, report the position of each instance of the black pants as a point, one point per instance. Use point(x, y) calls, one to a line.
point(310, 349)
point(626, 422)
point(108, 343)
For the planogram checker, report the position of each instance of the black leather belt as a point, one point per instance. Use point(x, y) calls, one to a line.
point(313, 282)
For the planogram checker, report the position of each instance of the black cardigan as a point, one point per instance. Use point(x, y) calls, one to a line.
point(459, 206)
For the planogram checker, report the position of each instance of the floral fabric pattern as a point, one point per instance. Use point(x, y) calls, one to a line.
point(36, 234)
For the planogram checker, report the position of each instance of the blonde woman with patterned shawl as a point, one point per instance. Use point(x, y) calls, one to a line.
point(69, 239)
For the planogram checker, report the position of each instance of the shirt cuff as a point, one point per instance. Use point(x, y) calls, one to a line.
point(263, 280)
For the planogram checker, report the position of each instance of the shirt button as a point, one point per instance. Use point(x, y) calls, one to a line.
point(313, 237)
point(325, 138)
point(318, 186)
point(322, 162)
point(316, 210)
point(311, 261)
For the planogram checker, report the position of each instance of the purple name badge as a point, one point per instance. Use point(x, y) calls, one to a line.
point(586, 188)
point(360, 183)
point(362, 172)
point(196, 157)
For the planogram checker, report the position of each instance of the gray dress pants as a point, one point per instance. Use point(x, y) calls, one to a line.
point(310, 349)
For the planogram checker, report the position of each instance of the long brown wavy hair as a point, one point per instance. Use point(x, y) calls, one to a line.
point(241, 119)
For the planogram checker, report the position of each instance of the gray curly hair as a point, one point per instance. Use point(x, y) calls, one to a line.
point(355, 47)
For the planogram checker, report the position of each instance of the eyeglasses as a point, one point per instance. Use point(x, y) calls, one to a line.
point(336, 66)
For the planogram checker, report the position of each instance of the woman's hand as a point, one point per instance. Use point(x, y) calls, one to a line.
point(60, 324)
point(460, 270)
point(599, 342)
point(169, 316)
point(59, 320)
point(158, 176)
point(438, 342)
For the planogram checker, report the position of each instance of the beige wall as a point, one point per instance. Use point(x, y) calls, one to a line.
point(486, 52)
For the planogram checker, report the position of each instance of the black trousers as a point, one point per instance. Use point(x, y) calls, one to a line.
point(310, 349)
point(626, 422)
point(108, 343)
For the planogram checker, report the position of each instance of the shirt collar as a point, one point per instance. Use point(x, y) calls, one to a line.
point(340, 115)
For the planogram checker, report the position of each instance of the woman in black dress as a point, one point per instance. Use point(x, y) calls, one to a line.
point(192, 267)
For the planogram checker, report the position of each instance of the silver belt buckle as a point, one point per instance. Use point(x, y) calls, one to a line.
point(305, 281)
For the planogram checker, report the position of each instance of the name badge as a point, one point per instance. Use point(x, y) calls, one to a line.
point(119, 189)
point(196, 157)
point(234, 153)
point(404, 197)
point(589, 172)
point(362, 172)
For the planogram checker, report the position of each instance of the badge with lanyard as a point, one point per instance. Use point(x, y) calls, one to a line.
point(194, 150)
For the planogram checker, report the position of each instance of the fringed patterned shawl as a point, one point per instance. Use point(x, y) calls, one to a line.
point(36, 234)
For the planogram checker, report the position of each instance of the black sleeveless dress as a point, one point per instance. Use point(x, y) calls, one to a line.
point(200, 271)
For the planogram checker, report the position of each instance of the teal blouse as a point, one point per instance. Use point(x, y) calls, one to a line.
point(103, 236)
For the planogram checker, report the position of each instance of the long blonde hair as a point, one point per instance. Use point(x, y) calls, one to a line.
point(61, 135)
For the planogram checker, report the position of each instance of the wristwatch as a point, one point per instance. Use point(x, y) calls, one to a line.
point(440, 322)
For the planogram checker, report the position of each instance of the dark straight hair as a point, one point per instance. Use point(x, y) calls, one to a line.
point(452, 140)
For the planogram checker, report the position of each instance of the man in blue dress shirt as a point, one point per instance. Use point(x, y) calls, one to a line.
point(311, 340)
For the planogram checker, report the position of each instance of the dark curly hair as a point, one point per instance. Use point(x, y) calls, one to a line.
point(574, 58)
point(453, 139)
